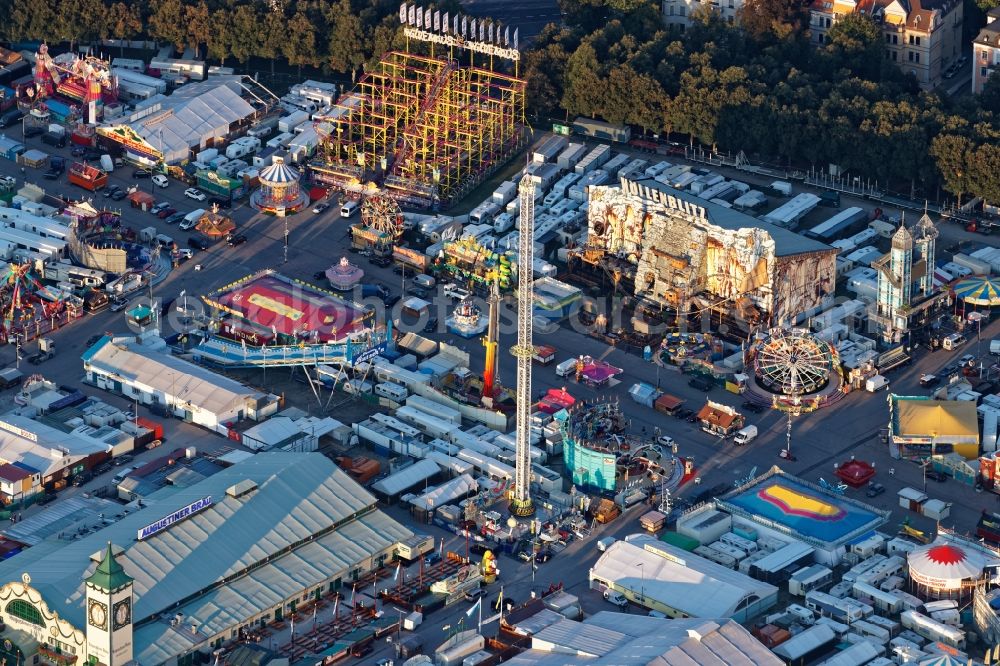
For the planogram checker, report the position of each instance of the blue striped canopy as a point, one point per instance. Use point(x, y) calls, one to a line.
point(979, 291)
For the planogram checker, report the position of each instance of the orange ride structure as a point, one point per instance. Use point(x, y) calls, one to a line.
point(428, 128)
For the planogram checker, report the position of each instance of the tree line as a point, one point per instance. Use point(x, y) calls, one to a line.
point(761, 88)
point(333, 35)
point(766, 90)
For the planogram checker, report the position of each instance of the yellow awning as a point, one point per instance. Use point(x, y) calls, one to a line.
point(937, 418)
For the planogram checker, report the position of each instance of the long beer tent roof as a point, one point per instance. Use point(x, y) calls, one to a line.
point(193, 114)
point(939, 418)
point(299, 521)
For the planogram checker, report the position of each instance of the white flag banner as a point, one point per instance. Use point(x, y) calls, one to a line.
point(454, 25)
point(506, 36)
point(482, 31)
point(437, 21)
point(412, 15)
point(402, 13)
point(465, 27)
point(490, 34)
point(516, 30)
point(444, 23)
point(428, 19)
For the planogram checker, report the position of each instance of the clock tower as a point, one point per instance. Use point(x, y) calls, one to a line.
point(109, 612)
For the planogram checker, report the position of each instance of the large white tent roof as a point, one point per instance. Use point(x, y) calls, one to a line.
point(192, 115)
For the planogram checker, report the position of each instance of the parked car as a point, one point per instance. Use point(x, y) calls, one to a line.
point(238, 239)
point(78, 151)
point(92, 340)
point(543, 556)
point(81, 479)
point(33, 130)
point(665, 440)
point(142, 173)
point(109, 189)
point(419, 292)
point(683, 413)
point(380, 261)
point(472, 595)
point(220, 202)
point(166, 212)
point(432, 558)
point(122, 460)
point(929, 380)
point(118, 304)
point(118, 195)
point(320, 207)
point(160, 180)
point(431, 325)
point(175, 218)
point(163, 205)
point(195, 193)
point(45, 499)
point(874, 489)
point(196, 244)
point(935, 475)
point(390, 300)
point(405, 271)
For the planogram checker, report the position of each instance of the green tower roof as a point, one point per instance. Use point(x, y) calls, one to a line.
point(109, 575)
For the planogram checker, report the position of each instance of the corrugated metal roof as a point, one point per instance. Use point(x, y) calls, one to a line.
point(670, 581)
point(183, 381)
point(618, 638)
point(406, 478)
point(299, 496)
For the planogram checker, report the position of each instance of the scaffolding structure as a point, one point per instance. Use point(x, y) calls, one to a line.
point(426, 128)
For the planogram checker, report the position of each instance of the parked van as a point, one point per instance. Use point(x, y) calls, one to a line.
point(164, 241)
point(954, 341)
point(745, 435)
point(566, 368)
point(616, 598)
point(349, 209)
point(424, 281)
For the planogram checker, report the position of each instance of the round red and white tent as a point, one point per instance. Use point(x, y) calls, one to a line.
point(945, 565)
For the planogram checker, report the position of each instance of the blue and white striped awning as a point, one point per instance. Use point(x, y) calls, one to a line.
point(279, 173)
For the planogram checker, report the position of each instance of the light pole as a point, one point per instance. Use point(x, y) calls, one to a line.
point(286, 237)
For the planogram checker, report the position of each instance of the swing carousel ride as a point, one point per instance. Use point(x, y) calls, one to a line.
point(31, 309)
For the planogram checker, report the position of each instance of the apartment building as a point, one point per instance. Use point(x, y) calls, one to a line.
point(922, 37)
point(677, 13)
point(986, 51)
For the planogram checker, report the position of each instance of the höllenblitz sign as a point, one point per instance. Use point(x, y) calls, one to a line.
point(175, 517)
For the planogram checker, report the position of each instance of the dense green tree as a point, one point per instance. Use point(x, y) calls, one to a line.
point(300, 47)
point(245, 35)
point(856, 44)
point(585, 85)
point(167, 22)
point(953, 154)
point(347, 34)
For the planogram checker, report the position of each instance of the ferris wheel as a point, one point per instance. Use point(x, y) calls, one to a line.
point(382, 214)
point(793, 362)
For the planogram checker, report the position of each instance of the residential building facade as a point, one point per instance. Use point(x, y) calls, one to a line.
point(986, 51)
point(677, 13)
point(922, 37)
